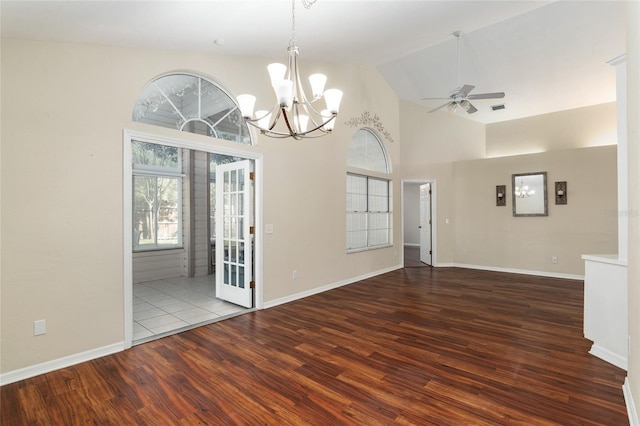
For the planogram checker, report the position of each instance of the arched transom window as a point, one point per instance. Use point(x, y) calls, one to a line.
point(368, 193)
point(191, 104)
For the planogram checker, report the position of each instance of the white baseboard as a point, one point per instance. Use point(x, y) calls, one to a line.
point(610, 357)
point(521, 271)
point(303, 294)
point(631, 406)
point(56, 364)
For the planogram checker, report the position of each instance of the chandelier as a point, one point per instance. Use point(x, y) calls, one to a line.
point(523, 191)
point(293, 114)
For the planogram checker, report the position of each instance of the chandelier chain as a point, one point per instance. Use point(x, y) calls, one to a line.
point(293, 22)
point(307, 5)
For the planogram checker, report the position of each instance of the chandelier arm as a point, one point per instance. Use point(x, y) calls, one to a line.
point(297, 136)
point(312, 113)
point(319, 127)
point(275, 117)
point(292, 132)
point(276, 134)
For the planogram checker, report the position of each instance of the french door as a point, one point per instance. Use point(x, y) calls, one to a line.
point(234, 240)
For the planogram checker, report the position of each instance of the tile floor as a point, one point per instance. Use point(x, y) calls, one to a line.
point(171, 304)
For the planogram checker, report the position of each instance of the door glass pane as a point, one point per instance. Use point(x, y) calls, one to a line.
point(234, 228)
point(234, 204)
point(240, 276)
point(240, 181)
point(234, 256)
point(227, 247)
point(234, 181)
point(234, 276)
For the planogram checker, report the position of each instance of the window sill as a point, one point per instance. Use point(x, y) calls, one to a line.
point(156, 251)
point(359, 250)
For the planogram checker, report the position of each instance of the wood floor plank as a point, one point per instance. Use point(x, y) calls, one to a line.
point(419, 346)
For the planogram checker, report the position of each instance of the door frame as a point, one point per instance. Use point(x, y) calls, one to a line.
point(127, 206)
point(434, 215)
point(429, 225)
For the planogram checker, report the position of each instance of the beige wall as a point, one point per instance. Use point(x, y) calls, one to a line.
point(576, 128)
point(431, 142)
point(633, 138)
point(489, 236)
point(64, 110)
point(453, 151)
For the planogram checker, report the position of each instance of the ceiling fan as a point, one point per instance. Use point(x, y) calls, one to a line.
point(460, 96)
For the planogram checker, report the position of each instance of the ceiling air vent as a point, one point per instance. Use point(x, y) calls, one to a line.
point(497, 107)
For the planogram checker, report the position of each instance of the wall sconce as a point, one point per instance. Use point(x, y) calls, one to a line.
point(501, 195)
point(561, 192)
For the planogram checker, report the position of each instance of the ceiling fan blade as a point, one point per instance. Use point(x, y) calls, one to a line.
point(440, 107)
point(471, 109)
point(464, 90)
point(434, 99)
point(495, 95)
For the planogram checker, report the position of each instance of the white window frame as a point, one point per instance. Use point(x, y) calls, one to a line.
point(145, 170)
point(368, 211)
point(362, 214)
point(204, 97)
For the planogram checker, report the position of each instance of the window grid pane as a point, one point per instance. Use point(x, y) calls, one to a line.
point(191, 104)
point(366, 152)
point(356, 230)
point(156, 210)
point(368, 216)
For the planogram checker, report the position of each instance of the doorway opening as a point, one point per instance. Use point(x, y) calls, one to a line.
point(419, 230)
point(190, 249)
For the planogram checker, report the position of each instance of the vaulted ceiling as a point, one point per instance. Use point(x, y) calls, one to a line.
point(545, 55)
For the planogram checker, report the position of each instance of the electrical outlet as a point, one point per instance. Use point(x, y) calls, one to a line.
point(554, 259)
point(464, 252)
point(294, 274)
point(39, 327)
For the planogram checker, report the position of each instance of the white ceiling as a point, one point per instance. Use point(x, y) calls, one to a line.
point(547, 56)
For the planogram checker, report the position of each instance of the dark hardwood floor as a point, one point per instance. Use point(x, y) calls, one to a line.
point(415, 346)
point(412, 258)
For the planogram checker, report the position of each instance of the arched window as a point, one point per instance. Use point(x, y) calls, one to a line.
point(367, 152)
point(368, 193)
point(191, 104)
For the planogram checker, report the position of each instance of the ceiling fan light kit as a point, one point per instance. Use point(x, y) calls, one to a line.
point(460, 96)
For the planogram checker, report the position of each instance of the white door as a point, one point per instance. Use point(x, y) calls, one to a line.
point(234, 251)
point(425, 223)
